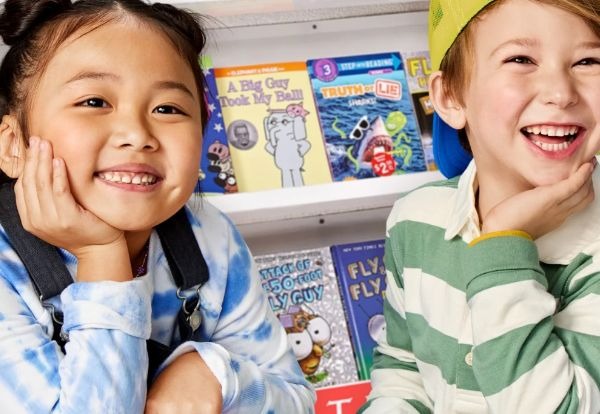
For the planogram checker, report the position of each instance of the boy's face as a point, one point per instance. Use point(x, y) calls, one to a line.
point(532, 105)
point(121, 107)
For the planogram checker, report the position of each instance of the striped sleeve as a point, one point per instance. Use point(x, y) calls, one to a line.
point(527, 358)
point(396, 382)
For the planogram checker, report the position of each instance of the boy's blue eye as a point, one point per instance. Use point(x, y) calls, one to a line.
point(94, 103)
point(168, 110)
point(588, 61)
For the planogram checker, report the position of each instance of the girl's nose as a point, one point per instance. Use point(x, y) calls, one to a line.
point(134, 132)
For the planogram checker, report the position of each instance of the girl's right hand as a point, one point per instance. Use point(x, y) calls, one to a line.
point(49, 211)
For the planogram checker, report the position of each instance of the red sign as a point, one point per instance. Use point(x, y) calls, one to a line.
point(342, 399)
point(383, 164)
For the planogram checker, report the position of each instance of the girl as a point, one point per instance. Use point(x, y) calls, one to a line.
point(102, 119)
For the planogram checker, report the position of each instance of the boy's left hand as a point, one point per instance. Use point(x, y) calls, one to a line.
point(543, 209)
point(185, 386)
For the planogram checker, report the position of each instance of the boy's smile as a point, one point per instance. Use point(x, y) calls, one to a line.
point(531, 107)
point(124, 116)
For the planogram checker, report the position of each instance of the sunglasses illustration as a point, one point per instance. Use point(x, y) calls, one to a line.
point(360, 128)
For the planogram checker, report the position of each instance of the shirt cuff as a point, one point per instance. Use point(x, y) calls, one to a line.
point(123, 306)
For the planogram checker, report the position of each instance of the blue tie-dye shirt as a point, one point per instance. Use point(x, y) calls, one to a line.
point(104, 367)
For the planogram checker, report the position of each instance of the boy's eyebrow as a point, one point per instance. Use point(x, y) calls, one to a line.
point(111, 76)
point(525, 42)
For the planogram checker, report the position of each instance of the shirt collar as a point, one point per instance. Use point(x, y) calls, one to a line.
point(576, 235)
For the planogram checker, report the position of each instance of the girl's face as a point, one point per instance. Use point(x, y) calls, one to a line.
point(532, 106)
point(121, 107)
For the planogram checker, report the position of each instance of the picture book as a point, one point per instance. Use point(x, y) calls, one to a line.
point(272, 126)
point(216, 168)
point(303, 292)
point(418, 69)
point(361, 274)
point(366, 115)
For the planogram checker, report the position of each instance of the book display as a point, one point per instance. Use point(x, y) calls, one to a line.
point(274, 218)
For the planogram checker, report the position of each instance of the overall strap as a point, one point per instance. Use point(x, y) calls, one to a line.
point(182, 251)
point(42, 260)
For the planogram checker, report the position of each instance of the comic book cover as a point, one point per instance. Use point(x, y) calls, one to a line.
point(418, 68)
point(272, 126)
point(361, 274)
point(303, 292)
point(366, 115)
point(216, 168)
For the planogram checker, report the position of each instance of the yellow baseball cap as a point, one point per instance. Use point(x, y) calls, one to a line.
point(447, 18)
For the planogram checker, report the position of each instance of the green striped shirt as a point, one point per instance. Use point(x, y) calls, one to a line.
point(507, 325)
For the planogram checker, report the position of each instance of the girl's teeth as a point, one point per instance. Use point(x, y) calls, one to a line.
point(128, 178)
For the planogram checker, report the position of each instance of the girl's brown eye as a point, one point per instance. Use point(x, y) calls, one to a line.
point(94, 103)
point(167, 110)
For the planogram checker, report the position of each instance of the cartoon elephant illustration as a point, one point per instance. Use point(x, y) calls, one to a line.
point(287, 142)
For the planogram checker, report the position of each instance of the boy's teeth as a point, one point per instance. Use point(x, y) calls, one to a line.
point(551, 147)
point(128, 178)
point(552, 131)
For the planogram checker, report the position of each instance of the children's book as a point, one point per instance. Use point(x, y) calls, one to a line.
point(303, 292)
point(366, 115)
point(216, 168)
point(418, 69)
point(361, 274)
point(272, 126)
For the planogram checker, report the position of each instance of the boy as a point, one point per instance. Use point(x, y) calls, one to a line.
point(493, 298)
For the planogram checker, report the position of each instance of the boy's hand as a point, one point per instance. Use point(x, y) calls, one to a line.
point(185, 386)
point(49, 211)
point(543, 209)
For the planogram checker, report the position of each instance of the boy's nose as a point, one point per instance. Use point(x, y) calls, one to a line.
point(134, 132)
point(558, 88)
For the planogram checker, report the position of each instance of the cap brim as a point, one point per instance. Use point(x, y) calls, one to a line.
point(451, 158)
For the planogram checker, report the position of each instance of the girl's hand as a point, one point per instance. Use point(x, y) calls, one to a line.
point(543, 209)
point(185, 386)
point(49, 211)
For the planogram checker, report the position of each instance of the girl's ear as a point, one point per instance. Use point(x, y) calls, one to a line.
point(450, 110)
point(12, 147)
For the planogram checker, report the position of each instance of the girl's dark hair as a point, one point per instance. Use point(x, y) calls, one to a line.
point(34, 29)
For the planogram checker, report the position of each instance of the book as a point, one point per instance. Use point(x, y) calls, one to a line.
point(272, 126)
point(342, 399)
point(361, 274)
point(303, 292)
point(367, 116)
point(216, 173)
point(418, 68)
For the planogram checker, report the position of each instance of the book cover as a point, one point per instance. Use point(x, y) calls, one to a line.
point(418, 68)
point(216, 173)
point(272, 126)
point(303, 292)
point(361, 274)
point(366, 115)
point(342, 399)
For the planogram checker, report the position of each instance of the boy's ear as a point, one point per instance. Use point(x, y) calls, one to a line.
point(448, 108)
point(12, 147)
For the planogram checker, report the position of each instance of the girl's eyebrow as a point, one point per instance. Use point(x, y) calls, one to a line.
point(89, 75)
